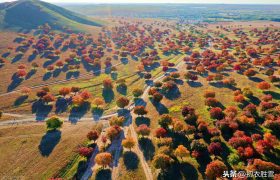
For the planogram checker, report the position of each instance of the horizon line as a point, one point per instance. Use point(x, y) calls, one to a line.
point(86, 3)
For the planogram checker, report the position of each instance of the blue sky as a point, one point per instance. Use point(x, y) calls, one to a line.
point(166, 1)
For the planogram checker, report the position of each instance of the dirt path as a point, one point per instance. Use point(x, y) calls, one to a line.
point(146, 168)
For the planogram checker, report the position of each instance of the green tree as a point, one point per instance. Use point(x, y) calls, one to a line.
point(54, 123)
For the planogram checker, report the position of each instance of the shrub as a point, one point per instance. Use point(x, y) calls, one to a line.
point(54, 123)
point(266, 105)
point(246, 121)
point(143, 130)
point(113, 132)
point(165, 120)
point(199, 146)
point(64, 91)
point(267, 98)
point(245, 152)
point(215, 148)
point(85, 151)
point(77, 100)
point(157, 97)
point(122, 102)
point(181, 152)
point(158, 84)
point(162, 161)
point(140, 110)
point(75, 89)
point(209, 94)
point(239, 98)
point(263, 85)
point(215, 169)
point(242, 141)
point(211, 102)
point(93, 135)
point(128, 143)
point(21, 73)
point(117, 121)
point(103, 159)
point(234, 159)
point(107, 84)
point(250, 73)
point(231, 111)
point(137, 93)
point(263, 146)
point(160, 133)
point(216, 113)
point(260, 165)
point(48, 98)
point(164, 142)
point(25, 91)
point(85, 94)
point(247, 92)
point(97, 102)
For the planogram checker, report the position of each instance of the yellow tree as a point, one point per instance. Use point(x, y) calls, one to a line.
point(103, 159)
point(128, 143)
point(181, 151)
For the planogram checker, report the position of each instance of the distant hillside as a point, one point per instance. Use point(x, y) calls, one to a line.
point(29, 14)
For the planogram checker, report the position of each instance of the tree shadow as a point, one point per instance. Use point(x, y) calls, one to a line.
point(142, 120)
point(16, 81)
point(274, 94)
point(97, 70)
point(57, 72)
point(225, 153)
point(122, 90)
point(255, 100)
point(124, 61)
point(161, 108)
point(108, 95)
point(188, 171)
point(149, 82)
point(103, 174)
point(5, 55)
point(61, 105)
point(97, 113)
point(114, 75)
point(204, 160)
point(82, 166)
point(255, 79)
point(48, 142)
point(172, 94)
point(20, 100)
point(147, 147)
point(30, 74)
point(179, 81)
point(17, 58)
point(131, 160)
point(32, 57)
point(139, 102)
point(47, 76)
point(71, 74)
point(77, 112)
point(41, 110)
point(217, 84)
point(172, 171)
point(51, 61)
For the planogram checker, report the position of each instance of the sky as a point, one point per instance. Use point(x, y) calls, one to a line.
point(165, 1)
